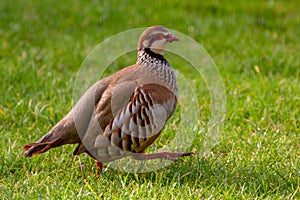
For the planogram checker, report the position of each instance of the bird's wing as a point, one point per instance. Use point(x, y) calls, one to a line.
point(134, 127)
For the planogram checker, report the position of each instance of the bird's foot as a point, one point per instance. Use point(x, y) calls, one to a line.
point(173, 156)
point(99, 167)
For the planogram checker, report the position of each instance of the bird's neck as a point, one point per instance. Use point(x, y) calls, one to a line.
point(148, 57)
point(158, 67)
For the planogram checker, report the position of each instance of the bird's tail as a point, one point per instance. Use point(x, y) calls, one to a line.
point(63, 133)
point(33, 149)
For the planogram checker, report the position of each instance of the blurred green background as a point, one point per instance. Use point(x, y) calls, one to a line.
point(255, 45)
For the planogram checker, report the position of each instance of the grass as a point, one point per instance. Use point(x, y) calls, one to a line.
point(43, 43)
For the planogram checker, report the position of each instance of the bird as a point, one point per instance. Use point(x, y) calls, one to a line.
point(124, 113)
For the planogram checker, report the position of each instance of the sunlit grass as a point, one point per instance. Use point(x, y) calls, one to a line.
point(256, 48)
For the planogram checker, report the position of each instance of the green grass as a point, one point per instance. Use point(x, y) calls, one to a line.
point(43, 43)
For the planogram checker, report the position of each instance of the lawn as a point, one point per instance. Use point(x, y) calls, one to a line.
point(255, 46)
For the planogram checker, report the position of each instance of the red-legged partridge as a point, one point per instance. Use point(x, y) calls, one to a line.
point(121, 115)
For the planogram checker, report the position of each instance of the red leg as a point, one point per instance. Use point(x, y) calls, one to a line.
point(166, 155)
point(98, 168)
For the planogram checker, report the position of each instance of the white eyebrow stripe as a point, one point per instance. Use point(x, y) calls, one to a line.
point(164, 33)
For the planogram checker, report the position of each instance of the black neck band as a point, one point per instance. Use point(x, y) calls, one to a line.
point(154, 55)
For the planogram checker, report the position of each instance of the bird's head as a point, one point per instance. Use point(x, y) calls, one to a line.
point(156, 38)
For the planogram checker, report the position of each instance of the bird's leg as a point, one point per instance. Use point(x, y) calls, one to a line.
point(173, 156)
point(98, 168)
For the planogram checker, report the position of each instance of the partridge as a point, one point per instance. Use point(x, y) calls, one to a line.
point(122, 114)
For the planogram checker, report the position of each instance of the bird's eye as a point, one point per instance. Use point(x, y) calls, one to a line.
point(158, 36)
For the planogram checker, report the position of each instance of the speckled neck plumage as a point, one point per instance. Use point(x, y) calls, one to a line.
point(159, 67)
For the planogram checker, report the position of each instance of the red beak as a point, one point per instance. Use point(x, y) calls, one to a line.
point(171, 38)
